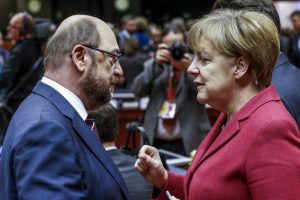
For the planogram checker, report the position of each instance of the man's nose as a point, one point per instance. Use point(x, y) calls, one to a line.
point(118, 70)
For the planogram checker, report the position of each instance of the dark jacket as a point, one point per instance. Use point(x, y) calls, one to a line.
point(49, 152)
point(286, 79)
point(138, 187)
point(21, 59)
point(294, 51)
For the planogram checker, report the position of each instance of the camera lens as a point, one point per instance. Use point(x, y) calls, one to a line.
point(177, 50)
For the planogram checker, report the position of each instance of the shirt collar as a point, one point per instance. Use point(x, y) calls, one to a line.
point(110, 148)
point(74, 100)
point(126, 33)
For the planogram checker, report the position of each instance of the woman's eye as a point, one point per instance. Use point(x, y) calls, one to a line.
point(203, 60)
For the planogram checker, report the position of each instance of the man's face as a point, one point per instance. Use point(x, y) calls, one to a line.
point(155, 35)
point(130, 26)
point(103, 72)
point(296, 22)
point(13, 28)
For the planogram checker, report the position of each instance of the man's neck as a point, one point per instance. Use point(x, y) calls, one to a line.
point(108, 144)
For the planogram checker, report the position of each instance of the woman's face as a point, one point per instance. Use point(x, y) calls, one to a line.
point(214, 75)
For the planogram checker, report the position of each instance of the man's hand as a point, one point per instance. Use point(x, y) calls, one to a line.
point(162, 54)
point(150, 166)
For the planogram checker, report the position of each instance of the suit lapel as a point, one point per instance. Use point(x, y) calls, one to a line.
point(97, 149)
point(82, 129)
point(228, 132)
point(215, 140)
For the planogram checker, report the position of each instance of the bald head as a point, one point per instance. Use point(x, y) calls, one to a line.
point(76, 29)
point(20, 23)
point(75, 19)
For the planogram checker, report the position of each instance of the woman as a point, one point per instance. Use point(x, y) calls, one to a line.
point(253, 150)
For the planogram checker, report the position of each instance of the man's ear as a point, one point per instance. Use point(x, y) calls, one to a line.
point(78, 57)
point(242, 66)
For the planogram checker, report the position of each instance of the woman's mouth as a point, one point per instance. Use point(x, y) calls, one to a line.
point(199, 85)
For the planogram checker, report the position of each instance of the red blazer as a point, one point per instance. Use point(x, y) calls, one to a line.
point(255, 156)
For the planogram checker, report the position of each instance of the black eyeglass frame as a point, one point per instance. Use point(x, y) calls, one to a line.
point(115, 56)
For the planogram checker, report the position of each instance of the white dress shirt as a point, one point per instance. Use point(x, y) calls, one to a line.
point(74, 100)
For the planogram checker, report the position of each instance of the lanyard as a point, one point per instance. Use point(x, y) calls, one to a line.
point(172, 82)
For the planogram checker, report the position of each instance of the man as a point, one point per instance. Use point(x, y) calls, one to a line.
point(50, 152)
point(174, 120)
point(14, 87)
point(107, 124)
point(294, 45)
point(3, 52)
point(128, 28)
point(155, 39)
point(285, 76)
point(21, 59)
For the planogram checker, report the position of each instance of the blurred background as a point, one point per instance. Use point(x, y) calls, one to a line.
point(157, 11)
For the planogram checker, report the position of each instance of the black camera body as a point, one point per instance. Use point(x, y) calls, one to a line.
point(177, 50)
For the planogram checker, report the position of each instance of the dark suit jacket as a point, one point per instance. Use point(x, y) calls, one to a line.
point(139, 188)
point(50, 153)
point(21, 59)
point(294, 51)
point(286, 79)
point(256, 156)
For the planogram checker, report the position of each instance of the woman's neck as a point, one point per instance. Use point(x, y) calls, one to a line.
point(241, 98)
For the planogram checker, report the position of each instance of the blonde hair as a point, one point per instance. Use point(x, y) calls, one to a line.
point(241, 33)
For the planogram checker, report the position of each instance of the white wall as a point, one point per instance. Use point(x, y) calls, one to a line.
point(284, 9)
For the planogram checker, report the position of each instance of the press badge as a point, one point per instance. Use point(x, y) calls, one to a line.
point(167, 110)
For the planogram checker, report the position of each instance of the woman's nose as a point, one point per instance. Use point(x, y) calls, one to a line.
point(193, 70)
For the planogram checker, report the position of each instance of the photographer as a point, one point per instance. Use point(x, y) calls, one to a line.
point(169, 120)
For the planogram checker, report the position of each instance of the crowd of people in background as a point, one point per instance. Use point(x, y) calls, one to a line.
point(21, 66)
point(137, 37)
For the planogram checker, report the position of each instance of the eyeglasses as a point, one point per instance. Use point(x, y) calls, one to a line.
point(14, 26)
point(115, 56)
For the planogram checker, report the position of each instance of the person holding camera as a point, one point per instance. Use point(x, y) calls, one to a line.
point(169, 118)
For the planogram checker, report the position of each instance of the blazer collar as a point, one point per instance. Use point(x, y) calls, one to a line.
point(266, 95)
point(282, 59)
point(216, 139)
point(52, 95)
point(82, 129)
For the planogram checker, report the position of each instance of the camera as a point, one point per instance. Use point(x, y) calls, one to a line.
point(177, 50)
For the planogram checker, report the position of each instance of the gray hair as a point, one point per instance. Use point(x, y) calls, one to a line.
point(82, 30)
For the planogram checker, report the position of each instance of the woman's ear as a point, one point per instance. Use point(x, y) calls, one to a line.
point(242, 66)
point(78, 57)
